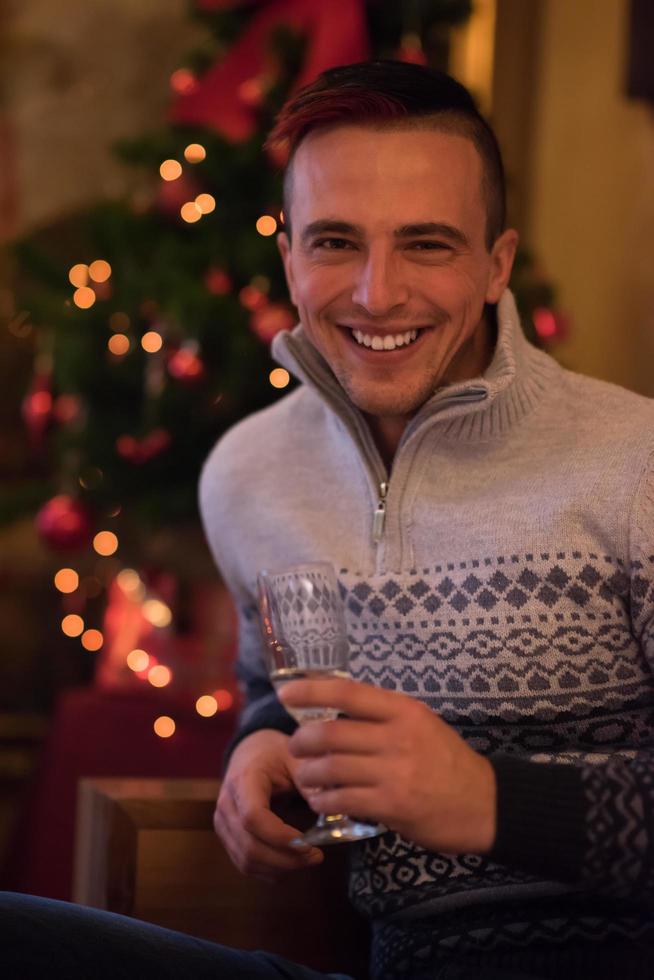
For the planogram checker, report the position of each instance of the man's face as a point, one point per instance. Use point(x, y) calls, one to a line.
point(388, 251)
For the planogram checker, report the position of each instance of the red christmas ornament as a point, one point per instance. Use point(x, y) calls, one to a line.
point(217, 281)
point(551, 325)
point(67, 408)
point(268, 322)
point(37, 407)
point(64, 523)
point(185, 364)
point(141, 451)
point(252, 298)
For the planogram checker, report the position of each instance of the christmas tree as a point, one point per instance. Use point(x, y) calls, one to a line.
point(152, 316)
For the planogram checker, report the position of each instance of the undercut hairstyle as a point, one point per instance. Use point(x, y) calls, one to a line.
point(391, 95)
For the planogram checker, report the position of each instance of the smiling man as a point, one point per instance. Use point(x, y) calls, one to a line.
point(490, 516)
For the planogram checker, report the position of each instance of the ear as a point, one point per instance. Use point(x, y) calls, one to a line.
point(284, 247)
point(502, 256)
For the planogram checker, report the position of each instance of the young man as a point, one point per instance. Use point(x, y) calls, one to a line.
point(491, 518)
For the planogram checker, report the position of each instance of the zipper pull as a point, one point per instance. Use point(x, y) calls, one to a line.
point(380, 514)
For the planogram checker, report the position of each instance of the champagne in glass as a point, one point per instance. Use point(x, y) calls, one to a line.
point(303, 625)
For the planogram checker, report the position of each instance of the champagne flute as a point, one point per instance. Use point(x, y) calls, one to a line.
point(303, 625)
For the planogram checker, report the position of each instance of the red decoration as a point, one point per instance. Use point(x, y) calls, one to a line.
point(411, 50)
point(268, 322)
point(336, 35)
point(252, 298)
point(217, 281)
point(67, 408)
point(172, 194)
point(143, 450)
point(551, 325)
point(64, 523)
point(185, 364)
point(37, 407)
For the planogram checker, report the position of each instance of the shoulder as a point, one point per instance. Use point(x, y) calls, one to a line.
point(608, 410)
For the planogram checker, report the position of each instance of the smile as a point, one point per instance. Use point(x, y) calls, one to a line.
point(385, 343)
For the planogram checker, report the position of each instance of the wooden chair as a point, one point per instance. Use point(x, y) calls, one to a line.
point(146, 848)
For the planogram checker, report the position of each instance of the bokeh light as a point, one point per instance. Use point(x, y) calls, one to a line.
point(66, 580)
point(159, 676)
point(99, 271)
point(84, 297)
point(206, 203)
point(151, 342)
point(170, 169)
point(224, 700)
point(138, 660)
point(105, 543)
point(182, 81)
point(206, 705)
point(266, 225)
point(79, 275)
point(118, 344)
point(195, 153)
point(164, 726)
point(190, 212)
point(72, 625)
point(157, 612)
point(92, 640)
point(279, 378)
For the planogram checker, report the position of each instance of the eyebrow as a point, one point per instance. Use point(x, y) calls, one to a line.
point(420, 230)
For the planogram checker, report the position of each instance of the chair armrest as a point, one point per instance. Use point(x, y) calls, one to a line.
point(146, 848)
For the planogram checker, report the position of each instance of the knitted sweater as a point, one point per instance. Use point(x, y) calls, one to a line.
point(507, 580)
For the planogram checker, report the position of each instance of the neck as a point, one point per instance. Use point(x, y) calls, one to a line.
point(469, 362)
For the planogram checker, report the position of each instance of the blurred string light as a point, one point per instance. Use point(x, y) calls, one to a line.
point(92, 640)
point(206, 203)
point(224, 700)
point(105, 543)
point(72, 625)
point(195, 153)
point(182, 81)
point(190, 212)
point(206, 706)
point(164, 726)
point(157, 612)
point(266, 225)
point(151, 342)
point(160, 676)
point(138, 660)
point(170, 169)
point(99, 270)
point(119, 344)
point(66, 580)
point(79, 275)
point(84, 297)
point(279, 378)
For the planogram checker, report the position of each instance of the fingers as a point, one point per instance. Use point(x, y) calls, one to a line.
point(267, 852)
point(342, 736)
point(336, 770)
point(351, 697)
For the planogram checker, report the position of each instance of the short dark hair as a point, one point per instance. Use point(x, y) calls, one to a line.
point(386, 95)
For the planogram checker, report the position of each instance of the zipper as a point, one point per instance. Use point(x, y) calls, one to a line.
point(379, 517)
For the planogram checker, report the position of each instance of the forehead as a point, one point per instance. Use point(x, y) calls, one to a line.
point(422, 174)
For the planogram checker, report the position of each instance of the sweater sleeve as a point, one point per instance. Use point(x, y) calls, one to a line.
point(590, 823)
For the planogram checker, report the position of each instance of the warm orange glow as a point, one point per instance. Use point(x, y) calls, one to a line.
point(105, 543)
point(79, 274)
point(92, 640)
point(129, 580)
point(118, 344)
point(224, 700)
point(157, 612)
point(99, 270)
point(84, 297)
point(279, 378)
point(138, 660)
point(182, 81)
point(266, 225)
point(206, 203)
point(190, 212)
point(72, 625)
point(119, 322)
point(170, 169)
point(206, 706)
point(151, 341)
point(164, 726)
point(195, 153)
point(159, 676)
point(66, 580)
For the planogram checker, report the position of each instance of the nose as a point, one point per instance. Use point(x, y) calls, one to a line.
point(379, 287)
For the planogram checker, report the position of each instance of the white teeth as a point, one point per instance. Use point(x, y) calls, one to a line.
point(389, 342)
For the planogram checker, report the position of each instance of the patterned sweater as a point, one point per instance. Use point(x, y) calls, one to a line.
point(510, 588)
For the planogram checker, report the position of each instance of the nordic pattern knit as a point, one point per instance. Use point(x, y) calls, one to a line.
point(512, 591)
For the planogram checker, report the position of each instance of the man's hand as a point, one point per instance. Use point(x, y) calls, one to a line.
point(257, 841)
point(392, 760)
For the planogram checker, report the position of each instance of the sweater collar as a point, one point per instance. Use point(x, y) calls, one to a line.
point(480, 407)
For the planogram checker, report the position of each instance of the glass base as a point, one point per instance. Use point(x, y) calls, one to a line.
point(336, 828)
